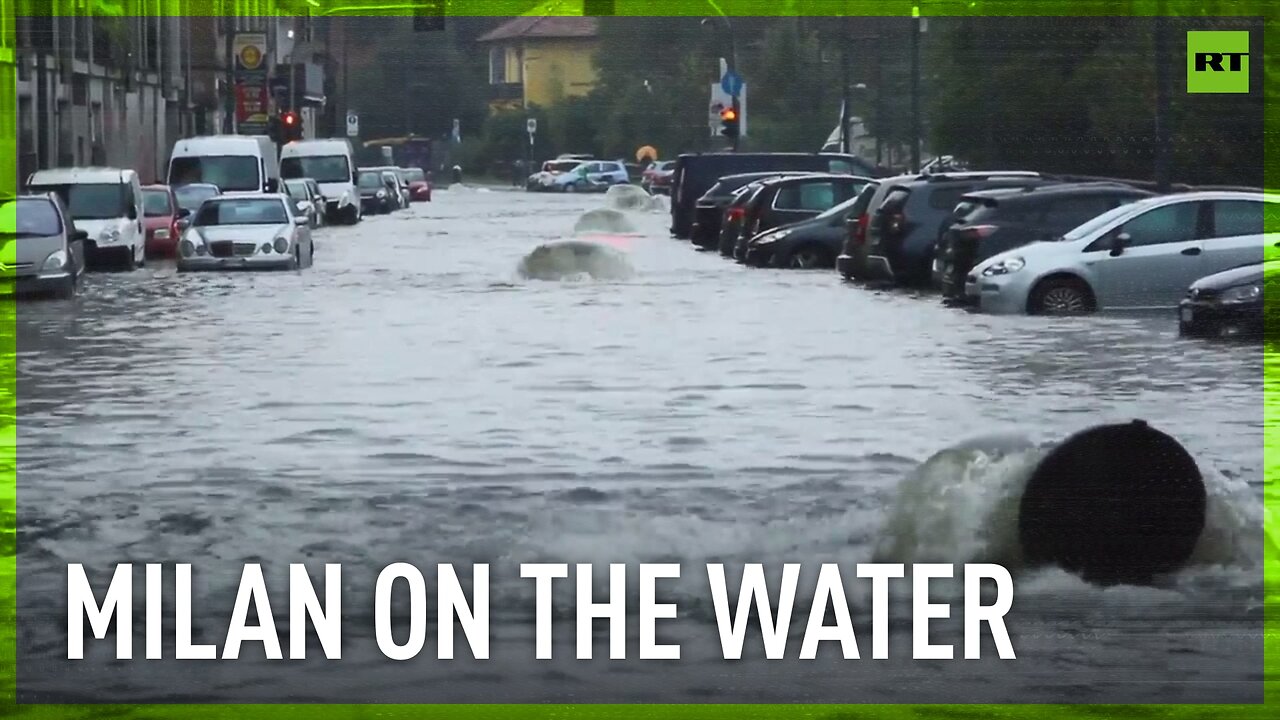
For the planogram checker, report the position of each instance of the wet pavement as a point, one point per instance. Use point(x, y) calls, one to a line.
point(411, 398)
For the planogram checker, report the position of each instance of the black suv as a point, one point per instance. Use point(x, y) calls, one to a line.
point(783, 201)
point(993, 221)
point(908, 213)
point(709, 209)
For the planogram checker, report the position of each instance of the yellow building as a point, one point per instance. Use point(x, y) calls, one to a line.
point(540, 60)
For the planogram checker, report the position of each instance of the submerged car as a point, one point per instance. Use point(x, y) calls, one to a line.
point(160, 215)
point(1142, 254)
point(418, 182)
point(192, 195)
point(1229, 304)
point(247, 232)
point(44, 253)
point(374, 196)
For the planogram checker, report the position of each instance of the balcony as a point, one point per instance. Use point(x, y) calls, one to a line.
point(506, 91)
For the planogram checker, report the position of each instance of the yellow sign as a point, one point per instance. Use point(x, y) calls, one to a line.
point(251, 57)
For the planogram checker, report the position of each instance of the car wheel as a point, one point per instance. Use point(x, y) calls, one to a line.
point(808, 257)
point(66, 290)
point(571, 187)
point(139, 258)
point(1061, 296)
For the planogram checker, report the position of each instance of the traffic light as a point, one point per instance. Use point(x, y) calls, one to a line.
point(729, 122)
point(291, 124)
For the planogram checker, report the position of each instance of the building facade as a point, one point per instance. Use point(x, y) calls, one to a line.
point(120, 90)
point(540, 61)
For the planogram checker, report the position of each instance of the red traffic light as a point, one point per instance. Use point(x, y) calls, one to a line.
point(290, 118)
point(728, 114)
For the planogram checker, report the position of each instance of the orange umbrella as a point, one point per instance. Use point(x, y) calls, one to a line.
point(648, 151)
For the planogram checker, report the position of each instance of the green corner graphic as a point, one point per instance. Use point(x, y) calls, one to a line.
point(1217, 61)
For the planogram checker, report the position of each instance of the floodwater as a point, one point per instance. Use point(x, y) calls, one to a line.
point(412, 399)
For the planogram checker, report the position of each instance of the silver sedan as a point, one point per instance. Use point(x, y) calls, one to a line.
point(247, 232)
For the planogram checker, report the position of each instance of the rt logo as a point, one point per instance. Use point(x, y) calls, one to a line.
point(1217, 61)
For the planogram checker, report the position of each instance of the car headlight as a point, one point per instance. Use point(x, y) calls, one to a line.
point(161, 234)
point(1005, 267)
point(55, 262)
point(266, 248)
point(382, 193)
point(770, 238)
point(1242, 294)
point(109, 236)
point(186, 248)
point(282, 245)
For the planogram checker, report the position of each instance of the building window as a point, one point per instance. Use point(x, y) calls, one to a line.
point(497, 66)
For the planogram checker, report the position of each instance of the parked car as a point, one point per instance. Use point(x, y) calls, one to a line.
point(396, 188)
point(695, 173)
point(731, 222)
point(593, 176)
point(192, 195)
point(909, 213)
point(807, 244)
point(331, 163)
point(551, 169)
point(160, 215)
point(1229, 303)
point(710, 208)
point(247, 232)
point(783, 201)
point(375, 197)
point(304, 197)
point(107, 204)
point(48, 250)
point(418, 182)
point(993, 221)
point(1142, 254)
point(656, 178)
point(238, 164)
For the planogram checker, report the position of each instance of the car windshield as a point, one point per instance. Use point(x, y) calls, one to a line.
point(90, 201)
point(35, 217)
point(155, 203)
point(321, 168)
point(229, 172)
point(191, 196)
point(297, 188)
point(390, 178)
point(232, 211)
point(415, 175)
point(370, 181)
point(1098, 222)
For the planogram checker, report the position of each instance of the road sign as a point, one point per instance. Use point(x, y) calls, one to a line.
point(353, 124)
point(731, 83)
point(531, 125)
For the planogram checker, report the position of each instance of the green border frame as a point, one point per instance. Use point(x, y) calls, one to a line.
point(1267, 9)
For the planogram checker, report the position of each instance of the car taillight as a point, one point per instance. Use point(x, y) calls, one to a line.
point(976, 232)
point(860, 230)
point(736, 213)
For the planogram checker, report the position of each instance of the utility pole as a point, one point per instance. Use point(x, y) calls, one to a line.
point(1163, 91)
point(844, 84)
point(915, 89)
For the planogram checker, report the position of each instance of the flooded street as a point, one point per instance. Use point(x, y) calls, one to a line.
point(411, 399)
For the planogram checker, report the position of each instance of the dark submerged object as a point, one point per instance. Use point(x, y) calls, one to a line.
point(1114, 504)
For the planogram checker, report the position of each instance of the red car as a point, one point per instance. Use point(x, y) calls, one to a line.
point(657, 177)
point(418, 182)
point(160, 213)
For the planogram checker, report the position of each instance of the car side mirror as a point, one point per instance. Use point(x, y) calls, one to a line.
point(131, 213)
point(80, 235)
point(1119, 243)
point(183, 212)
point(184, 223)
point(301, 220)
point(303, 206)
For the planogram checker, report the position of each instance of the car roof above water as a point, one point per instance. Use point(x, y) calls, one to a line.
point(81, 176)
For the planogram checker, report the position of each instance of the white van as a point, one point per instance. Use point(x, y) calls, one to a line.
point(331, 163)
point(106, 203)
point(237, 164)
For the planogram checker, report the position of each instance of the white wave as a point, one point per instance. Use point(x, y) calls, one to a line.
point(575, 259)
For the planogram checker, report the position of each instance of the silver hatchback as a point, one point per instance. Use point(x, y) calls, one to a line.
point(41, 251)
